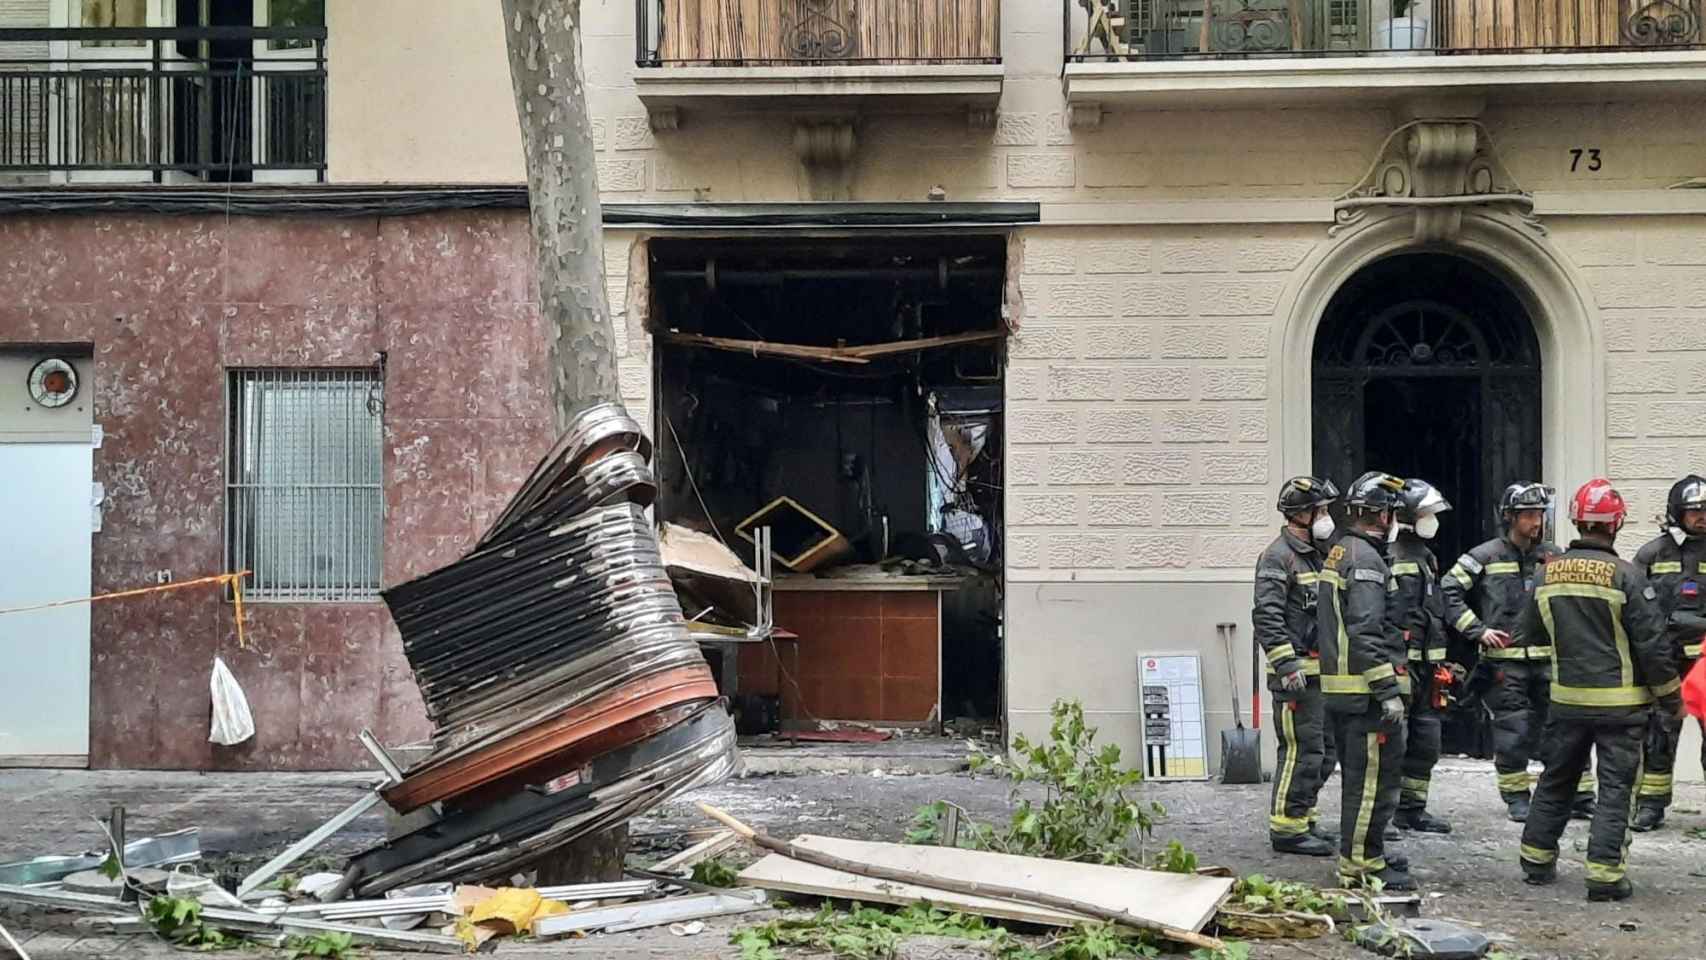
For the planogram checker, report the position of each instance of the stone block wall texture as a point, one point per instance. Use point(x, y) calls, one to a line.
point(1139, 407)
point(1647, 278)
point(169, 304)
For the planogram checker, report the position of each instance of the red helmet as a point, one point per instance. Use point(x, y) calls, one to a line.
point(1597, 501)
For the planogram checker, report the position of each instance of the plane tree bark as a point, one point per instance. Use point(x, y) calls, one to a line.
point(549, 80)
point(543, 38)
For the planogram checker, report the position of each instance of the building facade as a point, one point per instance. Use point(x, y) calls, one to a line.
point(1471, 250)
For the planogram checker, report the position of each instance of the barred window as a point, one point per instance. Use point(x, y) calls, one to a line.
point(304, 503)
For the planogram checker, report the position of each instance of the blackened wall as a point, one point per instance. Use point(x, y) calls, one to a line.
point(170, 302)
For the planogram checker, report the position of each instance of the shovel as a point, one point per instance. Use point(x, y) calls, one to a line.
point(1241, 748)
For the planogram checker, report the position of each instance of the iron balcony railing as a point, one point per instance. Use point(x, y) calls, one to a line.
point(1158, 29)
point(815, 32)
point(215, 103)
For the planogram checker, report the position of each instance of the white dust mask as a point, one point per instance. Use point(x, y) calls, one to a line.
point(1322, 528)
point(1427, 527)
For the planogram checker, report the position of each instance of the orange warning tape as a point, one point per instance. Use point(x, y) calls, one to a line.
point(234, 579)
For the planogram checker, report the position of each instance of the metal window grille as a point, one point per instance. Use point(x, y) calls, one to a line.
point(304, 500)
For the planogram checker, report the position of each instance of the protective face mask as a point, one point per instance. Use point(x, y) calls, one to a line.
point(1322, 528)
point(1427, 527)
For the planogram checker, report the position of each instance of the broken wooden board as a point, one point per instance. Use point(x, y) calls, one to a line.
point(1172, 899)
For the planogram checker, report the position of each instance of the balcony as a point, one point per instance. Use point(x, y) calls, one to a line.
point(1163, 53)
point(167, 105)
point(817, 53)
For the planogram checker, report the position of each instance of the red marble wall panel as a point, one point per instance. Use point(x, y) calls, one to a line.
point(169, 304)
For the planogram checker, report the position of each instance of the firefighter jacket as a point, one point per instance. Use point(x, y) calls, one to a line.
point(1419, 609)
point(1362, 649)
point(1677, 573)
point(1605, 630)
point(1284, 614)
point(1489, 587)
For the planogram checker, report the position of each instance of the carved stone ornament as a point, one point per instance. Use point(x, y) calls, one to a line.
point(1437, 167)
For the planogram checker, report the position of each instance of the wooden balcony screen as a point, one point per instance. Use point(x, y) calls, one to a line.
point(792, 32)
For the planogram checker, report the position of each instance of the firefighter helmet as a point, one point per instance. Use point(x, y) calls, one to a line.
point(1522, 496)
point(1597, 501)
point(1689, 493)
point(1420, 499)
point(1375, 491)
point(1306, 493)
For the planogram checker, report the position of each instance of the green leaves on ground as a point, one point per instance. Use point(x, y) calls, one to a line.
point(714, 873)
point(864, 933)
point(871, 933)
point(178, 919)
point(330, 945)
point(1257, 893)
point(1090, 811)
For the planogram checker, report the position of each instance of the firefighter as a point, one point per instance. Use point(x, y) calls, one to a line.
point(1364, 681)
point(1675, 565)
point(1485, 593)
point(1421, 618)
point(1606, 630)
point(1284, 620)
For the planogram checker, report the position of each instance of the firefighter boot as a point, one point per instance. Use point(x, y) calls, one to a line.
point(1331, 836)
point(1304, 844)
point(1649, 818)
point(1539, 876)
point(1606, 892)
point(1391, 878)
point(1518, 807)
point(1422, 821)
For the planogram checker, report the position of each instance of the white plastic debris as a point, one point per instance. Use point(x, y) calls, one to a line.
point(232, 722)
point(316, 884)
point(687, 929)
point(189, 886)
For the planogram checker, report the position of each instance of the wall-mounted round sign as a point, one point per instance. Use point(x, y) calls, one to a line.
point(53, 382)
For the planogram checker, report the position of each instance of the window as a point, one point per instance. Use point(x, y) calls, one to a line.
point(114, 13)
point(303, 500)
point(295, 13)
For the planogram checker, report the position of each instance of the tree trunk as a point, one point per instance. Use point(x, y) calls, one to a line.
point(544, 42)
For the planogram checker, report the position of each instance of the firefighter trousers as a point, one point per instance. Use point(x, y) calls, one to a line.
point(1305, 760)
point(1662, 743)
point(1619, 745)
point(1520, 700)
point(1421, 753)
point(1370, 764)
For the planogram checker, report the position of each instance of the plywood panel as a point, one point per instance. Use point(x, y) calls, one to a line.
point(1173, 899)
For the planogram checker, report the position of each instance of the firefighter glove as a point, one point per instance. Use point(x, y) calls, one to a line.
point(1293, 681)
point(1391, 713)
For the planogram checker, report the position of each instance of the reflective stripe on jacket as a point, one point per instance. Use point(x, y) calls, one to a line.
point(1677, 573)
point(1284, 613)
point(1609, 658)
point(1420, 613)
point(1362, 650)
point(1489, 587)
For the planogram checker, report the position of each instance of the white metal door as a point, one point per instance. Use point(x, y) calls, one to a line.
point(45, 527)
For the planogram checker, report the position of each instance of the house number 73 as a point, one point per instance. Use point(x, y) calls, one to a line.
point(1590, 154)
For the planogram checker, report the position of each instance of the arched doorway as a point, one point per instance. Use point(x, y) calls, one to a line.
point(1427, 364)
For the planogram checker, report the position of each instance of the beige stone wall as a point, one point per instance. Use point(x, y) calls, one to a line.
point(420, 92)
point(1138, 397)
point(1648, 277)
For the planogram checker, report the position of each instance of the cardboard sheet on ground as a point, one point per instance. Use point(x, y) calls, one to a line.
point(1173, 899)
